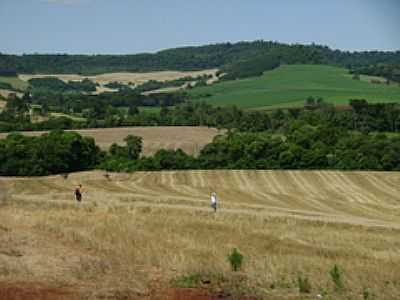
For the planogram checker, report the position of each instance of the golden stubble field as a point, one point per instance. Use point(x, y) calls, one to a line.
point(134, 233)
point(190, 139)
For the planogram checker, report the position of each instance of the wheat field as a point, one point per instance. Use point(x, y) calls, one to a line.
point(134, 233)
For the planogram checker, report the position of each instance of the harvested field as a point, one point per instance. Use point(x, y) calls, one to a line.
point(189, 139)
point(125, 78)
point(6, 93)
point(133, 234)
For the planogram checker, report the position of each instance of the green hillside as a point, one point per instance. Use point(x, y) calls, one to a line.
point(290, 85)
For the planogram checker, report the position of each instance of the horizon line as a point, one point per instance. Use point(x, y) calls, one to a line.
point(196, 46)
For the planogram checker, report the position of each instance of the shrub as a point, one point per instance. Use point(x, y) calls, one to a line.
point(337, 277)
point(304, 284)
point(188, 281)
point(236, 260)
point(367, 294)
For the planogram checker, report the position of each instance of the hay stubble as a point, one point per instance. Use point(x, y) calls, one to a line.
point(134, 226)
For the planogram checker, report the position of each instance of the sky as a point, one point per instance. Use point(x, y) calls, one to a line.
point(135, 26)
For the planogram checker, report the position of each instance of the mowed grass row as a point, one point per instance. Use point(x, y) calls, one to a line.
point(290, 85)
point(132, 229)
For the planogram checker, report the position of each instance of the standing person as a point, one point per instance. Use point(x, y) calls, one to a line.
point(78, 193)
point(214, 201)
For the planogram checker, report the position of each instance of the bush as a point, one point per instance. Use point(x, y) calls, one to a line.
point(188, 281)
point(236, 260)
point(304, 284)
point(337, 277)
point(367, 294)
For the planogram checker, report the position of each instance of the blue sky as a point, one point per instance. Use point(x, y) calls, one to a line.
point(133, 26)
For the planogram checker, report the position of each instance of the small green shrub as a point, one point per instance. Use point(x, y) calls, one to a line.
point(188, 281)
point(367, 294)
point(304, 284)
point(236, 260)
point(337, 277)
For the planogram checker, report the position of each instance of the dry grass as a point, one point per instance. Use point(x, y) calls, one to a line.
point(189, 139)
point(2, 104)
point(126, 78)
point(135, 229)
point(6, 93)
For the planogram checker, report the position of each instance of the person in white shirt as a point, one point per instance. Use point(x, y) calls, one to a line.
point(214, 201)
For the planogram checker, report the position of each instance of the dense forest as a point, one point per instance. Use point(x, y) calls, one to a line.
point(224, 55)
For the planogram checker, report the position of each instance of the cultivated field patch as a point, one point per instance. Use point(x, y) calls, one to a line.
point(290, 85)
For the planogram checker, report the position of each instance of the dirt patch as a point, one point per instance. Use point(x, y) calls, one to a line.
point(200, 294)
point(31, 291)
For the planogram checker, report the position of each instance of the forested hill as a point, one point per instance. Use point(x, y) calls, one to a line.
point(223, 56)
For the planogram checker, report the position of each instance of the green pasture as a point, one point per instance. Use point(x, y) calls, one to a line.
point(290, 85)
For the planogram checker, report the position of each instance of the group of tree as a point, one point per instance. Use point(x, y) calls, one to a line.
point(53, 153)
point(6, 86)
point(8, 73)
point(55, 85)
point(391, 72)
point(250, 67)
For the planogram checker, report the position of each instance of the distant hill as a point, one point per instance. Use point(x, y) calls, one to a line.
point(224, 56)
point(291, 85)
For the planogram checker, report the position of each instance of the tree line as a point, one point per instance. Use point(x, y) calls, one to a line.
point(55, 85)
point(96, 105)
point(389, 71)
point(303, 147)
point(192, 58)
point(361, 116)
